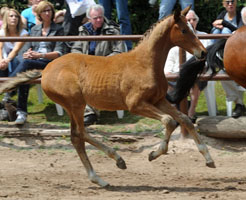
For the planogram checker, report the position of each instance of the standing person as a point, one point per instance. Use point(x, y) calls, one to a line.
point(29, 15)
point(122, 14)
point(38, 54)
point(72, 20)
point(12, 26)
point(230, 16)
point(166, 6)
point(97, 25)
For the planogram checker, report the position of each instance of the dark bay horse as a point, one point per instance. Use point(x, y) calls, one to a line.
point(133, 81)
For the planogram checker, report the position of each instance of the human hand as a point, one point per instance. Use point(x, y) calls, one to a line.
point(30, 54)
point(4, 64)
point(218, 23)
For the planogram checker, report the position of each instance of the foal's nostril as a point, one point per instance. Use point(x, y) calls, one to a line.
point(203, 54)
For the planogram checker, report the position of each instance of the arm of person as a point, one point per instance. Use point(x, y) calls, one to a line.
point(218, 24)
point(229, 25)
point(16, 49)
point(24, 21)
point(59, 16)
point(37, 55)
point(3, 63)
point(1, 51)
point(59, 46)
point(118, 47)
point(78, 46)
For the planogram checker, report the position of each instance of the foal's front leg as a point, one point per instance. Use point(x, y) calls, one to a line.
point(184, 120)
point(148, 110)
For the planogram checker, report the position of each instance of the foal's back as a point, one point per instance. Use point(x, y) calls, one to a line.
point(96, 80)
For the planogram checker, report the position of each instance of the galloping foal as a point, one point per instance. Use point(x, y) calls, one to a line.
point(132, 81)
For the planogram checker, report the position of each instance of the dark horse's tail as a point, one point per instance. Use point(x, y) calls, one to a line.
point(191, 69)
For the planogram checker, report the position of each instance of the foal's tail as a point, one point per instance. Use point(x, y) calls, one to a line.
point(21, 78)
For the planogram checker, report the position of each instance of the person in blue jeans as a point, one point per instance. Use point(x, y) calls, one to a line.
point(166, 6)
point(37, 54)
point(123, 16)
point(229, 16)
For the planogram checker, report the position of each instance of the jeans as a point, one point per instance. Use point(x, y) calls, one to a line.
point(225, 30)
point(23, 90)
point(123, 16)
point(12, 66)
point(166, 6)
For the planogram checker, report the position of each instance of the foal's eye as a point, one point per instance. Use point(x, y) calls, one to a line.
point(183, 31)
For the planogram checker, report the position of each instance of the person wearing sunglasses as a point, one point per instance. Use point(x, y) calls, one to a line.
point(228, 20)
point(37, 54)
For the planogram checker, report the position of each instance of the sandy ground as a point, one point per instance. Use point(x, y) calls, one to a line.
point(48, 168)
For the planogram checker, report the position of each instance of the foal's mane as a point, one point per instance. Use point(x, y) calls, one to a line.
point(150, 30)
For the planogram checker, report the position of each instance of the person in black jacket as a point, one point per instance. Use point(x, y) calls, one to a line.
point(228, 20)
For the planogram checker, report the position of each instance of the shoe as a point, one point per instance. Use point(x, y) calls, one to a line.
point(238, 111)
point(90, 119)
point(21, 117)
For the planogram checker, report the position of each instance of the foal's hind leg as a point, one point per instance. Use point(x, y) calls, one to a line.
point(79, 136)
point(184, 120)
point(79, 144)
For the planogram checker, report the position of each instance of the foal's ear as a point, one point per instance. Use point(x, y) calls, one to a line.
point(185, 11)
point(177, 14)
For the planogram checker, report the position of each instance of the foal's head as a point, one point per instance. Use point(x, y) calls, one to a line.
point(183, 36)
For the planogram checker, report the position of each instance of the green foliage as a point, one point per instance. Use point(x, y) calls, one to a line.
point(18, 5)
point(143, 16)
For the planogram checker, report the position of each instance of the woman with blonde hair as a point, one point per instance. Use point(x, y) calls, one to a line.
point(38, 54)
point(12, 26)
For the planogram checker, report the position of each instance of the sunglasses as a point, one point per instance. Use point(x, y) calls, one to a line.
point(229, 2)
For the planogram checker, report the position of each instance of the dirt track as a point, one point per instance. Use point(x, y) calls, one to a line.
point(48, 168)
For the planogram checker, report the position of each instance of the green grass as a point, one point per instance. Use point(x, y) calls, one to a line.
point(45, 112)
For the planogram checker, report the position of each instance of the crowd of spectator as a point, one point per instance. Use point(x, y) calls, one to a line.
point(40, 19)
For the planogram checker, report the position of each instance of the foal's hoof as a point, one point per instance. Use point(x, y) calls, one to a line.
point(121, 163)
point(211, 165)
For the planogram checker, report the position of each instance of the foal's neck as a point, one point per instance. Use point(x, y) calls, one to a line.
point(157, 45)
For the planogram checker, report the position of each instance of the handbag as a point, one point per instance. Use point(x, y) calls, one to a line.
point(79, 7)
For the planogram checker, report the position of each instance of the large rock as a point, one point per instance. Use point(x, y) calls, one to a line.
point(222, 127)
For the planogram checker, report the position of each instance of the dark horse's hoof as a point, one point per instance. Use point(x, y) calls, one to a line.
point(121, 163)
